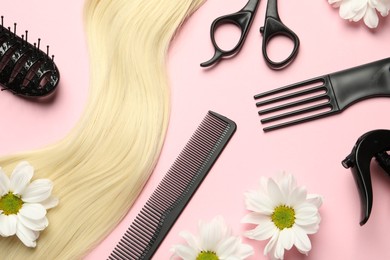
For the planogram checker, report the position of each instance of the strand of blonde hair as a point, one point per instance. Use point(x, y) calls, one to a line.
point(99, 169)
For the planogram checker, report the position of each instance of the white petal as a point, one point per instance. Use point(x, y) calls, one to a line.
point(332, 2)
point(275, 193)
point(279, 250)
point(255, 218)
point(311, 229)
point(257, 202)
point(359, 14)
point(8, 225)
point(305, 210)
point(298, 195)
point(37, 191)
point(348, 9)
point(227, 247)
point(245, 251)
point(371, 18)
point(4, 183)
point(286, 238)
point(287, 183)
point(380, 7)
point(35, 225)
point(360, 5)
point(33, 211)
point(302, 241)
point(191, 240)
point(263, 183)
point(185, 252)
point(50, 202)
point(27, 236)
point(387, 6)
point(270, 247)
point(307, 221)
point(20, 177)
point(211, 233)
point(335, 3)
point(232, 258)
point(315, 199)
point(263, 231)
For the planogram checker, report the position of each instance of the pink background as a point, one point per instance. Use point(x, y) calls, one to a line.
point(311, 151)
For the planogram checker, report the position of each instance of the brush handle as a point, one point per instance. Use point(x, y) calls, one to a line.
point(362, 82)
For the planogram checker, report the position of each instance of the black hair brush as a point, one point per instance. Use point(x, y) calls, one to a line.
point(25, 69)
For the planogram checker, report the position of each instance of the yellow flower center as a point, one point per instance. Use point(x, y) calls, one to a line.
point(207, 255)
point(10, 204)
point(283, 217)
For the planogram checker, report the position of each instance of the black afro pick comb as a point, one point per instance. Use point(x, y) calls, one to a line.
point(25, 69)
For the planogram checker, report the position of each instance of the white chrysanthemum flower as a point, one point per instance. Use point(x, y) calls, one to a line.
point(23, 204)
point(283, 212)
point(355, 10)
point(214, 242)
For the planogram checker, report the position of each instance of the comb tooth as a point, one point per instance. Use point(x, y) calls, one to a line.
point(141, 236)
point(144, 228)
point(300, 120)
point(127, 254)
point(151, 212)
point(137, 243)
point(291, 95)
point(296, 112)
point(114, 257)
point(318, 80)
point(126, 242)
point(294, 104)
point(157, 205)
point(140, 221)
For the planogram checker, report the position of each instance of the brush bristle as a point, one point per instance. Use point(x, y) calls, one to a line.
point(25, 69)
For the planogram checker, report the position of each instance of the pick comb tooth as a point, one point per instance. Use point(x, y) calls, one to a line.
point(319, 81)
point(296, 112)
point(290, 96)
point(293, 104)
point(298, 121)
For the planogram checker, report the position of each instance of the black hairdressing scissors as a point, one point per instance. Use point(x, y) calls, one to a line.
point(273, 26)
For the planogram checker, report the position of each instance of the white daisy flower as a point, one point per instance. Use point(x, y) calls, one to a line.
point(23, 204)
point(355, 10)
point(214, 242)
point(283, 213)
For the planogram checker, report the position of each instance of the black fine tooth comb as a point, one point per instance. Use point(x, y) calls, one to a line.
point(160, 212)
point(25, 69)
point(329, 94)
